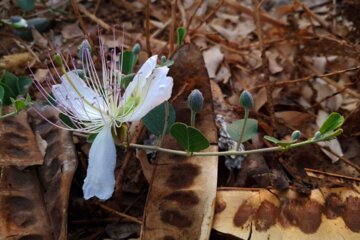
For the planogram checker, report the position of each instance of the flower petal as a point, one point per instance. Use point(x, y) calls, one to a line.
point(77, 97)
point(158, 89)
point(140, 78)
point(100, 178)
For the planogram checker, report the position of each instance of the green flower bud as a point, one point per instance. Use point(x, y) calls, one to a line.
point(18, 22)
point(163, 60)
point(57, 60)
point(195, 101)
point(136, 49)
point(295, 135)
point(246, 100)
point(317, 135)
point(83, 49)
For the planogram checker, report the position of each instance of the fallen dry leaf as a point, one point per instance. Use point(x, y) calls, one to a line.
point(71, 31)
point(18, 145)
point(271, 214)
point(293, 118)
point(182, 192)
point(33, 200)
point(17, 60)
point(213, 57)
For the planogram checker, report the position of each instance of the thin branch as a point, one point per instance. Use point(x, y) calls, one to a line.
point(264, 17)
point(123, 215)
point(172, 27)
point(325, 75)
point(147, 27)
point(207, 16)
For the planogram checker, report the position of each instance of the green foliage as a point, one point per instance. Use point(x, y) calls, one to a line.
point(26, 5)
point(21, 103)
point(91, 137)
point(278, 142)
point(128, 60)
point(330, 129)
point(191, 139)
point(24, 83)
point(13, 86)
point(154, 121)
point(167, 63)
point(66, 121)
point(251, 128)
point(181, 33)
point(334, 121)
point(2, 94)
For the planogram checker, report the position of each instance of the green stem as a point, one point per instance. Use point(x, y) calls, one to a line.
point(226, 153)
point(246, 116)
point(193, 118)
point(8, 115)
point(166, 123)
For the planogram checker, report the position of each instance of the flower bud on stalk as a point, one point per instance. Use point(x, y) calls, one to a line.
point(246, 100)
point(195, 102)
point(136, 49)
point(18, 22)
point(84, 48)
point(57, 60)
point(295, 135)
point(163, 60)
point(317, 135)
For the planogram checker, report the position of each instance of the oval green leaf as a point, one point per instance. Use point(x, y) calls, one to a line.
point(24, 83)
point(189, 138)
point(251, 128)
point(333, 122)
point(154, 121)
point(181, 32)
point(10, 84)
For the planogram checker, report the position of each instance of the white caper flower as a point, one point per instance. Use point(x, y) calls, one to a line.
point(97, 104)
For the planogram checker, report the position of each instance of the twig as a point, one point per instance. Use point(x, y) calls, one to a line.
point(283, 83)
point(182, 11)
point(207, 16)
point(157, 32)
point(172, 27)
point(332, 82)
point(342, 158)
point(200, 2)
point(147, 27)
point(316, 17)
point(265, 64)
point(94, 18)
point(264, 17)
point(123, 215)
point(76, 8)
point(332, 174)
